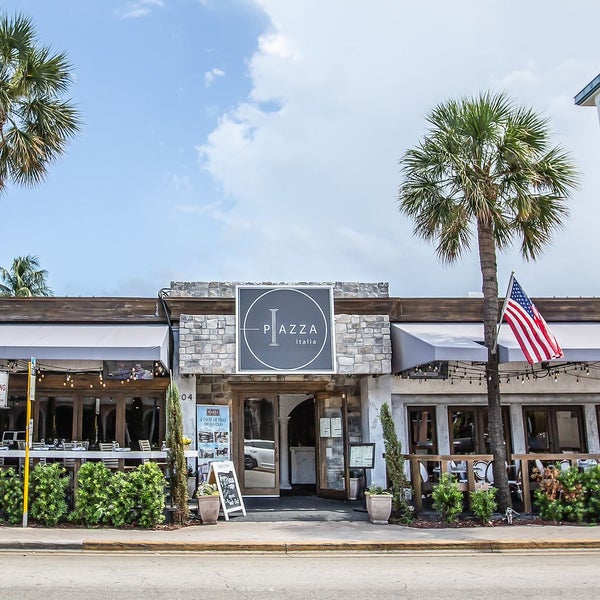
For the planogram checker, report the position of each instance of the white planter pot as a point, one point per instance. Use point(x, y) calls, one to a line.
point(379, 508)
point(354, 483)
point(208, 509)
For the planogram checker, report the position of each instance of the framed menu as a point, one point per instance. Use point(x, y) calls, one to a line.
point(362, 456)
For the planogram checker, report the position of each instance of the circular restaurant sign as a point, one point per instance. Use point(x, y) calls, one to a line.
point(284, 329)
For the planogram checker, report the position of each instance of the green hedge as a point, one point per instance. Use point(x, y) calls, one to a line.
point(133, 498)
point(568, 495)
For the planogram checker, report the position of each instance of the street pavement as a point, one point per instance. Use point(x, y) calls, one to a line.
point(304, 527)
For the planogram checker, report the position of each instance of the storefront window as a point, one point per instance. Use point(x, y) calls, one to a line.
point(422, 430)
point(554, 429)
point(469, 430)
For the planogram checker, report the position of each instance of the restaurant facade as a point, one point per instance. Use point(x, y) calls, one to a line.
point(287, 380)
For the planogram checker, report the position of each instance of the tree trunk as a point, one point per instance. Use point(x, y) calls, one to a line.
point(489, 272)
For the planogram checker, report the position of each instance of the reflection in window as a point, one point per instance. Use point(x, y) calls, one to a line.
point(554, 429)
point(422, 430)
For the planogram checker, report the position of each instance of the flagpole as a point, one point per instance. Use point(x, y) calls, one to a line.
point(506, 297)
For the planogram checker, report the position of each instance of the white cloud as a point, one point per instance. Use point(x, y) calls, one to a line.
point(311, 185)
point(211, 75)
point(140, 8)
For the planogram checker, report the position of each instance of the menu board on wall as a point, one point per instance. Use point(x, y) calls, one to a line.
point(212, 436)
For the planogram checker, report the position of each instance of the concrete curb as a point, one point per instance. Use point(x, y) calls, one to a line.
point(327, 546)
point(35, 546)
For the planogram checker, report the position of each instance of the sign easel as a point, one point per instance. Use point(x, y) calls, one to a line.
point(222, 473)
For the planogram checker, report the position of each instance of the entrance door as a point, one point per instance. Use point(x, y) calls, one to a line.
point(331, 447)
point(257, 452)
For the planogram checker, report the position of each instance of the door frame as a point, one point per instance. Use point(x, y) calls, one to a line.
point(238, 441)
point(323, 492)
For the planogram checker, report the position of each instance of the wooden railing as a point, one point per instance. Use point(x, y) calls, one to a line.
point(518, 464)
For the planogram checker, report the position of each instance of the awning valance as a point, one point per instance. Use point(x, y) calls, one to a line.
point(85, 342)
point(415, 344)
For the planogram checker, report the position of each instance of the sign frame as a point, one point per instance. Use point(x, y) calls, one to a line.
point(246, 352)
point(361, 455)
point(222, 473)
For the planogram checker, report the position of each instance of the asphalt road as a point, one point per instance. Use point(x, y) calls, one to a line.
point(49, 576)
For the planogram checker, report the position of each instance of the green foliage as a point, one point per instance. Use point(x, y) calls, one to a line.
point(394, 462)
point(591, 482)
point(47, 492)
point(207, 489)
point(377, 490)
point(11, 496)
point(121, 499)
point(563, 495)
point(483, 503)
point(148, 485)
point(24, 278)
point(37, 120)
point(92, 498)
point(447, 498)
point(177, 463)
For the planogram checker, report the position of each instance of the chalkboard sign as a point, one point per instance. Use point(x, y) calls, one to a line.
point(362, 456)
point(223, 474)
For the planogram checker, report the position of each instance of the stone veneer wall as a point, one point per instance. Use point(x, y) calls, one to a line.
point(207, 342)
point(226, 289)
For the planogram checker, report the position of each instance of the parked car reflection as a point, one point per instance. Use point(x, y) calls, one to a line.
point(259, 454)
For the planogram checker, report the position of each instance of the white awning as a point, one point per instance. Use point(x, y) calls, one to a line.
point(85, 342)
point(415, 344)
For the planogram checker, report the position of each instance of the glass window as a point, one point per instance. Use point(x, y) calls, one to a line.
point(422, 430)
point(469, 430)
point(554, 429)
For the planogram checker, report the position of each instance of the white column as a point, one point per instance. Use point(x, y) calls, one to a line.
point(284, 463)
point(187, 395)
point(443, 432)
point(591, 426)
point(374, 391)
point(517, 427)
point(597, 102)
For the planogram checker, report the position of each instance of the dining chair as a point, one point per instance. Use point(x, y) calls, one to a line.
point(111, 463)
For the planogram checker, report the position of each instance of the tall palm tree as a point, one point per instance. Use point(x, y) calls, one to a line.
point(486, 170)
point(24, 278)
point(35, 121)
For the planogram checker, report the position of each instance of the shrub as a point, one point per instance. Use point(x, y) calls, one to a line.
point(447, 498)
point(394, 463)
point(591, 483)
point(148, 485)
point(121, 499)
point(11, 496)
point(48, 489)
point(483, 503)
point(92, 494)
point(561, 495)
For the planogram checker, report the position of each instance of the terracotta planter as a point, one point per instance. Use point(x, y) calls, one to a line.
point(379, 508)
point(208, 509)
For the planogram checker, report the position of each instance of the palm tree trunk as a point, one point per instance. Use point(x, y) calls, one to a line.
point(489, 272)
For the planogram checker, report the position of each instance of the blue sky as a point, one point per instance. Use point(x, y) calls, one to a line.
point(258, 140)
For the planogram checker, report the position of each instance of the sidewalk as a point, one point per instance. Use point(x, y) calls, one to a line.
point(239, 535)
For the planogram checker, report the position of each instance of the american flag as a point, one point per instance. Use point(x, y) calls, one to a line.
point(529, 327)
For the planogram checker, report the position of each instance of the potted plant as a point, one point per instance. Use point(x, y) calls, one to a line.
point(379, 504)
point(209, 502)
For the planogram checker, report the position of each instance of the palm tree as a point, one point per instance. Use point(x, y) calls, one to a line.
point(486, 168)
point(24, 278)
point(35, 121)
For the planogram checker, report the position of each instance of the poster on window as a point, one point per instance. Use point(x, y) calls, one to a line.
point(212, 436)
